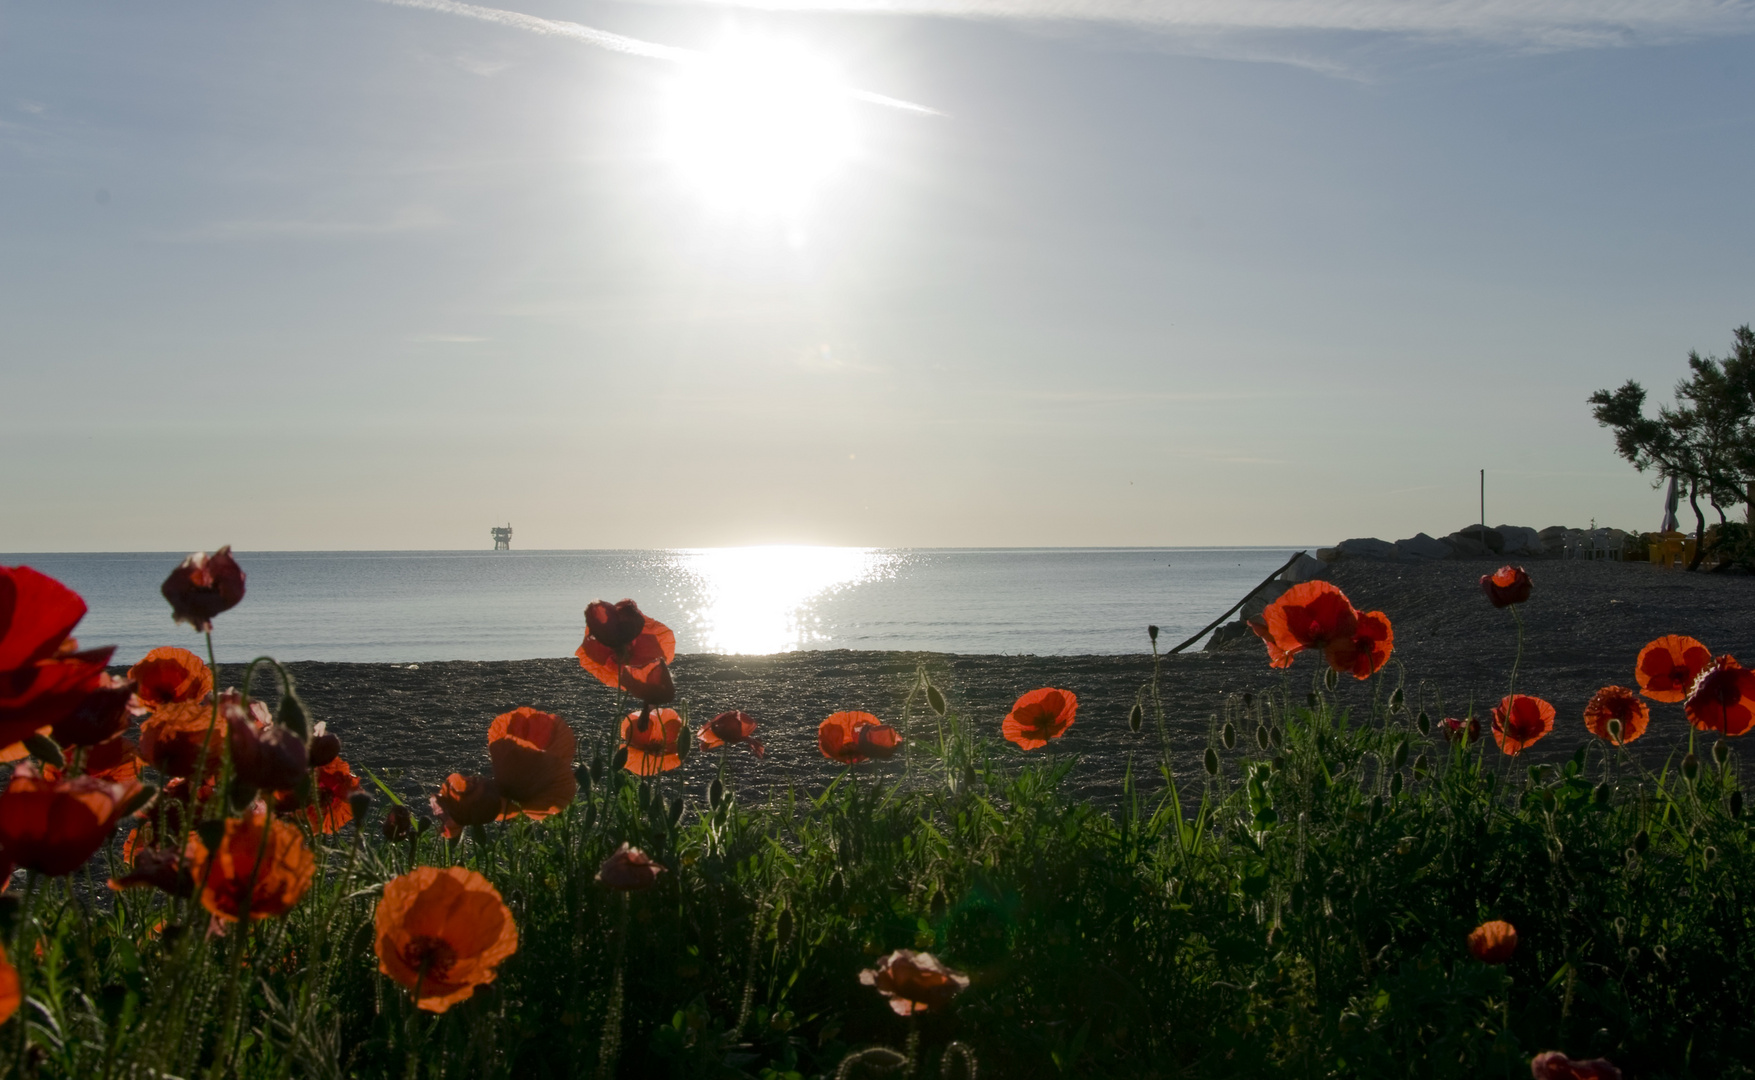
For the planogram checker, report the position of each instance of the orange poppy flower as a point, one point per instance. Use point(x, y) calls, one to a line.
point(114, 760)
point(168, 675)
point(1666, 668)
point(53, 826)
point(11, 994)
point(102, 714)
point(202, 586)
point(851, 737)
point(915, 982)
point(1521, 721)
point(1506, 586)
point(651, 736)
point(1616, 703)
point(730, 728)
point(467, 800)
point(1318, 615)
point(614, 640)
point(1039, 716)
point(648, 683)
point(1493, 942)
point(333, 809)
point(532, 754)
point(629, 869)
point(173, 737)
point(43, 675)
point(442, 932)
point(157, 868)
point(1553, 1065)
point(1723, 698)
point(261, 868)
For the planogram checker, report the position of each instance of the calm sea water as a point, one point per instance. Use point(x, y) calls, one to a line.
point(403, 606)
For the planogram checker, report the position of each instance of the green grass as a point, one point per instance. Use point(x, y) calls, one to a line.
point(1300, 914)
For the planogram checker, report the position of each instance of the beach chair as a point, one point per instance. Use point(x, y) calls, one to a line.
point(1666, 550)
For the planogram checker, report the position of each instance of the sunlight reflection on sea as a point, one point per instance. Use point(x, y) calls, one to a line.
point(756, 600)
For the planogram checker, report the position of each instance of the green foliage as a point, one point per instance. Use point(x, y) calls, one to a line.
point(1300, 914)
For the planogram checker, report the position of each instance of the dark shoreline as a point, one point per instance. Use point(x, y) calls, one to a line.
point(1583, 627)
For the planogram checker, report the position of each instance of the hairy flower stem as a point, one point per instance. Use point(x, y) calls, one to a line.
point(612, 1015)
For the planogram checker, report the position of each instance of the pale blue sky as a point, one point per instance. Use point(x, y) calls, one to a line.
point(333, 273)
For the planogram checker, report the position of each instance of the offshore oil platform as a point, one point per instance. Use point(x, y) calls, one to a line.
point(502, 535)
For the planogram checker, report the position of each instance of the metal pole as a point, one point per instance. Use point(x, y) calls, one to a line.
point(1483, 500)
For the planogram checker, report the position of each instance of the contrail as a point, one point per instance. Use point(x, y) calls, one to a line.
point(621, 43)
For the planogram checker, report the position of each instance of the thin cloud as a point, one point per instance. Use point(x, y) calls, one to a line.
point(1542, 23)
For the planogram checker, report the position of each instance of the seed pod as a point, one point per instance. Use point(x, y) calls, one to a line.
point(1400, 757)
point(1275, 736)
point(715, 793)
point(1261, 737)
point(1720, 753)
point(1395, 785)
point(1229, 736)
point(1691, 767)
point(1601, 793)
point(1136, 718)
point(45, 749)
point(1614, 726)
point(1331, 678)
point(1152, 632)
point(1396, 699)
point(1212, 762)
point(1424, 723)
point(935, 699)
point(1641, 841)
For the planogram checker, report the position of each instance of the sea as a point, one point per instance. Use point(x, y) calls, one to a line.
point(414, 606)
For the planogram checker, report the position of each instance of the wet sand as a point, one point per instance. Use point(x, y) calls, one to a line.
point(1584, 625)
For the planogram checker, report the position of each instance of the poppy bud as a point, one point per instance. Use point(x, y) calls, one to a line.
point(1395, 785)
point(783, 926)
point(292, 716)
point(1152, 632)
point(1136, 718)
point(1690, 767)
point(1229, 736)
point(676, 809)
point(715, 793)
point(597, 765)
point(45, 749)
point(1601, 793)
point(1615, 726)
point(837, 886)
point(325, 747)
point(1248, 699)
point(582, 777)
point(1275, 735)
point(1424, 723)
point(1493, 942)
point(359, 802)
point(241, 793)
point(1710, 854)
point(1420, 765)
point(1396, 699)
point(1261, 737)
point(1331, 678)
point(969, 775)
point(1376, 808)
point(137, 801)
point(935, 699)
point(614, 625)
point(684, 743)
point(1278, 764)
point(1400, 757)
point(619, 760)
point(398, 823)
point(1641, 841)
point(645, 796)
point(203, 586)
point(1736, 802)
point(590, 816)
point(1720, 753)
point(1212, 762)
point(1311, 699)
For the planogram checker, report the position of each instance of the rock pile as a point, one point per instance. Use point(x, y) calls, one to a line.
point(1476, 542)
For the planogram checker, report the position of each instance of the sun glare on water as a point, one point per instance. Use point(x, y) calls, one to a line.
point(759, 125)
point(760, 599)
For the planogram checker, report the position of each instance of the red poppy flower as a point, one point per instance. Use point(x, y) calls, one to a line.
point(11, 994)
point(114, 760)
point(1723, 698)
point(333, 808)
point(730, 728)
point(36, 615)
point(175, 738)
point(1455, 729)
point(915, 982)
point(398, 823)
point(532, 754)
point(1039, 716)
point(1493, 942)
point(1521, 721)
point(649, 683)
point(1506, 586)
point(612, 642)
point(442, 932)
point(1666, 668)
point(260, 869)
point(102, 714)
point(629, 869)
point(157, 868)
point(43, 675)
point(1553, 1065)
point(168, 675)
point(1317, 615)
point(650, 736)
point(324, 747)
point(851, 737)
point(265, 756)
point(1616, 703)
point(53, 826)
point(467, 800)
point(203, 586)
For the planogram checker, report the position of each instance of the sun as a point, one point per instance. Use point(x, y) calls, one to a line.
point(759, 125)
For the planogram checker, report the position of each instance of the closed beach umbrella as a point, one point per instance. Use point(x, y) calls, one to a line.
point(1670, 501)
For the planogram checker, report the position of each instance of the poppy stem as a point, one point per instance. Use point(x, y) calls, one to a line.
point(610, 1048)
point(1517, 660)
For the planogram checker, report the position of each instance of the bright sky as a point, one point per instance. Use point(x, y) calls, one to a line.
point(343, 274)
